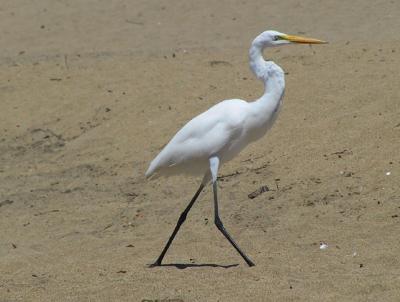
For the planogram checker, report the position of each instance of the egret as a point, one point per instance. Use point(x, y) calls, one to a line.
point(220, 133)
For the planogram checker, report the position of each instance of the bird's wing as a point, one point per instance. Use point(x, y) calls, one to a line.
point(203, 136)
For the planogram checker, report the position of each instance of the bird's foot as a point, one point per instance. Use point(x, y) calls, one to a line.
point(155, 264)
point(250, 264)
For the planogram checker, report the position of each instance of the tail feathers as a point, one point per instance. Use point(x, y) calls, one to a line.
point(152, 168)
point(156, 164)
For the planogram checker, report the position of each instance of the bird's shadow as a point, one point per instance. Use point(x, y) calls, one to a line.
point(191, 265)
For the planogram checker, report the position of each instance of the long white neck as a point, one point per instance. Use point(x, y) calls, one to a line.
point(267, 71)
point(265, 109)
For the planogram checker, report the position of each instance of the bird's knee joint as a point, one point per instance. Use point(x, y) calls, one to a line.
point(218, 223)
point(182, 218)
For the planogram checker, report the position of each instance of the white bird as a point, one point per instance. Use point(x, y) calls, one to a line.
point(220, 133)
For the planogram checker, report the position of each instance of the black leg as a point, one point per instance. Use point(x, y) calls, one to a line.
point(221, 227)
point(181, 219)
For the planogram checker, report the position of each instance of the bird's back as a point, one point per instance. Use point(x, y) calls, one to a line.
point(210, 133)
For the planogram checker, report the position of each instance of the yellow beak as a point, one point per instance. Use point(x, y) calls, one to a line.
point(302, 40)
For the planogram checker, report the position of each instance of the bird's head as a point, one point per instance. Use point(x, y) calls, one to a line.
point(271, 38)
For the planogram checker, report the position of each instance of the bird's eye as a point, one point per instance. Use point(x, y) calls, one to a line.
point(276, 38)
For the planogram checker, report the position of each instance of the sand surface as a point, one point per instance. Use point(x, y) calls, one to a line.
point(91, 90)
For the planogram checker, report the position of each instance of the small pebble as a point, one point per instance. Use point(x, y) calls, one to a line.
point(323, 246)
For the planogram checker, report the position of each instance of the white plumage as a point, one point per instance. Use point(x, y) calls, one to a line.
point(220, 133)
point(229, 126)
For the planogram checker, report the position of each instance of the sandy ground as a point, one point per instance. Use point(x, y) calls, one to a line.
point(91, 90)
